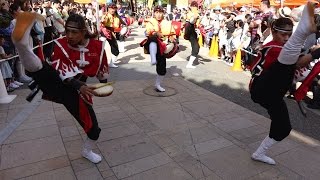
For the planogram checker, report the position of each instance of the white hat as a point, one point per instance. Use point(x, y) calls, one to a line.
point(218, 7)
point(243, 9)
point(285, 12)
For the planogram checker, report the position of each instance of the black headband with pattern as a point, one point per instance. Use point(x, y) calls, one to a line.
point(282, 30)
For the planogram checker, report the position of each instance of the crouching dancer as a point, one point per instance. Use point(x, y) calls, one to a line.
point(75, 58)
point(273, 72)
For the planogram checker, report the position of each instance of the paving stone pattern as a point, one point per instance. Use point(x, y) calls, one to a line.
point(193, 135)
point(158, 138)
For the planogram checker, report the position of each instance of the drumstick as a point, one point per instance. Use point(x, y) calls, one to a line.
point(99, 85)
point(256, 55)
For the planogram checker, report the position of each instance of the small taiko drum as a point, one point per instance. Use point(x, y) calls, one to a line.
point(124, 30)
point(102, 89)
point(171, 50)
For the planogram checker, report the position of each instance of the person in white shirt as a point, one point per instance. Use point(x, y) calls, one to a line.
point(58, 22)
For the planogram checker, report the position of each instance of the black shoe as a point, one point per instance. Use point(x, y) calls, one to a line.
point(290, 96)
point(32, 85)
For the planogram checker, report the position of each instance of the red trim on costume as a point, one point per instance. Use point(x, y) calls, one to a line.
point(267, 56)
point(162, 46)
point(301, 92)
point(84, 115)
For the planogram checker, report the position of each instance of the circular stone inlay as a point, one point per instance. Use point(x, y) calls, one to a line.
point(151, 91)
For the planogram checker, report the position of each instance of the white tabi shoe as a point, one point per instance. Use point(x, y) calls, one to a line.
point(18, 83)
point(112, 61)
point(159, 79)
point(88, 153)
point(260, 154)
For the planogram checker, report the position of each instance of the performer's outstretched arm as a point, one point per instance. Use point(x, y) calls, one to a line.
point(292, 49)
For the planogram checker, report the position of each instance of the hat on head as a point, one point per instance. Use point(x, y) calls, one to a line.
point(217, 8)
point(243, 9)
point(55, 1)
point(158, 8)
point(194, 4)
point(285, 12)
point(112, 5)
point(233, 13)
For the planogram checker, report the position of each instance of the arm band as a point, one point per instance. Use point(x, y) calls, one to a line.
point(75, 83)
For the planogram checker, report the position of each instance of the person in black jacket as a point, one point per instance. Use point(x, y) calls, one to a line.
point(191, 34)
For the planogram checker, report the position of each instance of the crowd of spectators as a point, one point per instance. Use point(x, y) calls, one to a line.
point(246, 28)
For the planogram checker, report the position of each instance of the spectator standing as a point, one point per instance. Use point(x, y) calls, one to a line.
point(58, 22)
point(65, 10)
point(6, 70)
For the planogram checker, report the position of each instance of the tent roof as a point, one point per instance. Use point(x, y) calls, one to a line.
point(238, 3)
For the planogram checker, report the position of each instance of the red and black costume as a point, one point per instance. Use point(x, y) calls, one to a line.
point(78, 64)
point(270, 82)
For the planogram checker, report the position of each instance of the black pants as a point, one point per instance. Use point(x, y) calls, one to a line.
point(268, 90)
point(52, 86)
point(114, 46)
point(161, 65)
point(120, 37)
point(194, 46)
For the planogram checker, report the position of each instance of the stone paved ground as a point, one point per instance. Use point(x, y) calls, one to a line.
point(194, 134)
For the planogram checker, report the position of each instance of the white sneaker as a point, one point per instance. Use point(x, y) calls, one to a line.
point(12, 85)
point(18, 83)
point(25, 79)
point(91, 156)
point(117, 62)
point(112, 65)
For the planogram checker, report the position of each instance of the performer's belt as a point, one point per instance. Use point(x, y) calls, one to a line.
point(110, 28)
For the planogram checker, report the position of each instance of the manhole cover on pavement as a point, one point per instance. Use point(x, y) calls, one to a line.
point(151, 91)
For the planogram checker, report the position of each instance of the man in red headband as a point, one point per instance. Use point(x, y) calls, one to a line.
point(76, 57)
